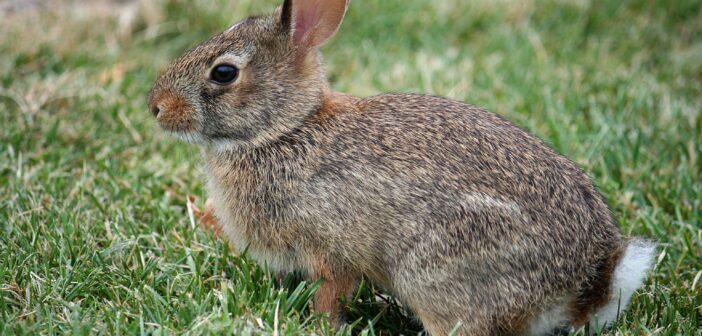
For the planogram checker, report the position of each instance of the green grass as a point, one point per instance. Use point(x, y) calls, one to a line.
point(94, 232)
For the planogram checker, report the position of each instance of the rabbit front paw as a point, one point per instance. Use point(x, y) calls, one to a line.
point(336, 285)
point(207, 220)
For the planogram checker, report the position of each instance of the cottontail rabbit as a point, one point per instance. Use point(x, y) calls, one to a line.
point(465, 217)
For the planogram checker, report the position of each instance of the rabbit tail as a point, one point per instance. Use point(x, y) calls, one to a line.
point(628, 276)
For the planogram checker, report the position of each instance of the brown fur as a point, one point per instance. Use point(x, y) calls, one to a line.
point(461, 214)
point(333, 103)
point(336, 285)
point(173, 111)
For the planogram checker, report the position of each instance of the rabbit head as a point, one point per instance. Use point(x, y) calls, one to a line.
point(251, 83)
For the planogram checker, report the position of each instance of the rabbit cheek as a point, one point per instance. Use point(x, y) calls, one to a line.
point(225, 117)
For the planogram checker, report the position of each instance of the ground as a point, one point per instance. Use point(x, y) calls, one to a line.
point(95, 236)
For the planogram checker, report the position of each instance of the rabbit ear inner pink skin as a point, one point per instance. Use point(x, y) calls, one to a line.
point(467, 218)
point(313, 22)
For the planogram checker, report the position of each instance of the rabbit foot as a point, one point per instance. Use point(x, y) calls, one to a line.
point(207, 220)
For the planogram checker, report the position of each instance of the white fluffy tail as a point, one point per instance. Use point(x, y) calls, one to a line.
point(628, 277)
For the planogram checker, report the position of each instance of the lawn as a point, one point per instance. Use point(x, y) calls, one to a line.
point(95, 236)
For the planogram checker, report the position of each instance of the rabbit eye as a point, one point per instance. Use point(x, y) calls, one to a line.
point(224, 74)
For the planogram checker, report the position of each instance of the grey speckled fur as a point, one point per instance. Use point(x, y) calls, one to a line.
point(461, 214)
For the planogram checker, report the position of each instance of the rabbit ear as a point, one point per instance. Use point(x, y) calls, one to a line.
point(312, 22)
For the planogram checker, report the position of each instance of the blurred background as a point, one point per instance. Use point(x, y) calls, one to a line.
point(94, 232)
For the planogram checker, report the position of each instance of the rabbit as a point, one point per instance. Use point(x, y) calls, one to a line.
point(475, 225)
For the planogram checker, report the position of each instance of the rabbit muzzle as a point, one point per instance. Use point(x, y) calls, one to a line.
point(172, 111)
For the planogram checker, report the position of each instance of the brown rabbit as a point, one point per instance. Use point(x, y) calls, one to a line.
point(469, 220)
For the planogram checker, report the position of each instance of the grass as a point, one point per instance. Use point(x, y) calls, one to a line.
point(94, 232)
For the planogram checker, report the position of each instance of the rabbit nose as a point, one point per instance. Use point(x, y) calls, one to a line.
point(155, 110)
point(153, 102)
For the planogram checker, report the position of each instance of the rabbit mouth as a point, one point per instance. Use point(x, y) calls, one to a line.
point(197, 138)
point(189, 137)
point(223, 145)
